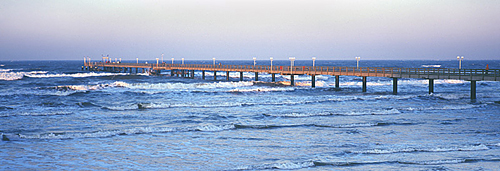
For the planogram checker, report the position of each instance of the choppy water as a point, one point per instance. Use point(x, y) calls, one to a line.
point(55, 116)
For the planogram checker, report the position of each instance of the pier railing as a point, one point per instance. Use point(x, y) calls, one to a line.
point(426, 73)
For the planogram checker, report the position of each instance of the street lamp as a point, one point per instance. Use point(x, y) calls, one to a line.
point(291, 64)
point(314, 59)
point(182, 61)
point(271, 64)
point(460, 61)
point(172, 61)
point(157, 62)
point(357, 61)
point(254, 58)
point(137, 60)
point(214, 60)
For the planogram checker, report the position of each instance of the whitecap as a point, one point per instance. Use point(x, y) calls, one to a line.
point(76, 75)
point(214, 128)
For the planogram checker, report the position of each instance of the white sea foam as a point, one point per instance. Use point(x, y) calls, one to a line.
point(184, 86)
point(285, 165)
point(436, 162)
point(130, 131)
point(445, 107)
point(76, 75)
point(5, 74)
point(37, 113)
point(420, 149)
point(263, 89)
point(10, 76)
point(215, 128)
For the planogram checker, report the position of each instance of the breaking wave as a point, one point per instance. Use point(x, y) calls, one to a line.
point(202, 128)
point(419, 149)
point(75, 75)
point(6, 75)
point(130, 131)
point(36, 114)
point(353, 113)
point(285, 165)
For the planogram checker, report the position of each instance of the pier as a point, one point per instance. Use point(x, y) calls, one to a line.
point(187, 71)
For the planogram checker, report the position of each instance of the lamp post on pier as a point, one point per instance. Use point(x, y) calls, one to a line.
point(292, 59)
point(182, 61)
point(271, 63)
point(357, 61)
point(172, 61)
point(157, 62)
point(137, 60)
point(214, 60)
point(460, 61)
point(314, 60)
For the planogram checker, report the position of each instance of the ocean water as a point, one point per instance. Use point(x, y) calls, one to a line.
point(54, 116)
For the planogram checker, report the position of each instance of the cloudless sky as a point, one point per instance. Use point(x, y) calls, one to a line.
point(243, 29)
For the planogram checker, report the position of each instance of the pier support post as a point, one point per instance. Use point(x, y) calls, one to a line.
point(337, 81)
point(183, 74)
point(313, 81)
point(292, 80)
point(192, 74)
point(241, 76)
point(273, 77)
point(136, 70)
point(203, 74)
point(215, 75)
point(256, 76)
point(364, 84)
point(395, 86)
point(473, 90)
point(171, 72)
point(431, 86)
point(227, 75)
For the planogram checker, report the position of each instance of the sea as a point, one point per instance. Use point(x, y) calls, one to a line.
point(54, 116)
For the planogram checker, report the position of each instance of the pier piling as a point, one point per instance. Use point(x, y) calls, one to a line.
point(431, 86)
point(395, 86)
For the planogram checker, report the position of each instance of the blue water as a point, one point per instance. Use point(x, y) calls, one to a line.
point(53, 116)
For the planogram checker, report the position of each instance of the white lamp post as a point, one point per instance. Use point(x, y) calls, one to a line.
point(314, 59)
point(172, 61)
point(292, 59)
point(460, 61)
point(157, 62)
point(137, 60)
point(214, 60)
point(254, 58)
point(357, 61)
point(182, 61)
point(271, 64)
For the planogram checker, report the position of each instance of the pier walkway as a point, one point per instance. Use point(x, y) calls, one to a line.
point(187, 70)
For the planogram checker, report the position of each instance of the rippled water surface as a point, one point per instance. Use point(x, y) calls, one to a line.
point(55, 116)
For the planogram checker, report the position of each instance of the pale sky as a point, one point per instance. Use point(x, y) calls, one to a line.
point(243, 29)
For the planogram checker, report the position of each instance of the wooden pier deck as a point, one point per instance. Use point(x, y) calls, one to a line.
point(187, 70)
